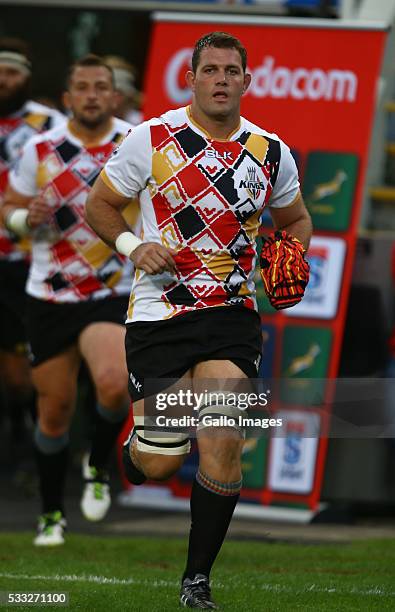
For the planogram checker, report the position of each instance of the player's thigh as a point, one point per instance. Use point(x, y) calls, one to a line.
point(219, 379)
point(219, 375)
point(102, 345)
point(219, 369)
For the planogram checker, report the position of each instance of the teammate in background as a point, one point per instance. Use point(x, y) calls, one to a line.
point(20, 119)
point(127, 97)
point(203, 175)
point(77, 290)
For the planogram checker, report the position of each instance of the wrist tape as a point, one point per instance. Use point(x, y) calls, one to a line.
point(126, 243)
point(16, 221)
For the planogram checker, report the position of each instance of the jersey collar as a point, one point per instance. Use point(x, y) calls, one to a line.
point(206, 134)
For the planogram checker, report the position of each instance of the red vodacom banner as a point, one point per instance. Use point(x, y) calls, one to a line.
point(314, 84)
point(315, 87)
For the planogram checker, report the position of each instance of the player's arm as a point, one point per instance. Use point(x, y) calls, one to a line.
point(20, 213)
point(10, 218)
point(284, 270)
point(23, 209)
point(294, 219)
point(103, 212)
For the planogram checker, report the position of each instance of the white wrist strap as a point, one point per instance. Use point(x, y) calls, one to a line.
point(16, 221)
point(126, 243)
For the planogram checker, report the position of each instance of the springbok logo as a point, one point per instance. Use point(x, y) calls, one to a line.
point(304, 362)
point(332, 187)
point(251, 183)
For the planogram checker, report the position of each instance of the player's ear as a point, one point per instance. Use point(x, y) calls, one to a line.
point(117, 100)
point(247, 81)
point(190, 79)
point(66, 100)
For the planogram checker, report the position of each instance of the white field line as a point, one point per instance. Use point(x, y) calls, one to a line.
point(277, 588)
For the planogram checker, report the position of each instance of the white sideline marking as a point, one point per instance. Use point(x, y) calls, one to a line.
point(277, 588)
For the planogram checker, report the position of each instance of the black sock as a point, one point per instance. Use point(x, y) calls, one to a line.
point(211, 514)
point(52, 470)
point(105, 435)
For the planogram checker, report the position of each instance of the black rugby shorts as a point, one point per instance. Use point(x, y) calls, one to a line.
point(52, 327)
point(13, 277)
point(168, 349)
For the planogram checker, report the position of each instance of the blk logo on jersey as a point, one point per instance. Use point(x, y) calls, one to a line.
point(227, 155)
point(252, 184)
point(138, 386)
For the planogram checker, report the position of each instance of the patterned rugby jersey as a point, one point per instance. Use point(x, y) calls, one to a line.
point(69, 262)
point(15, 131)
point(203, 198)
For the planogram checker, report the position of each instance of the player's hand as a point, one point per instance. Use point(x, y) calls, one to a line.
point(39, 212)
point(285, 272)
point(154, 258)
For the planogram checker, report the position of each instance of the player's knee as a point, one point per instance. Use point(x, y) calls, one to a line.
point(160, 453)
point(223, 451)
point(54, 415)
point(221, 461)
point(219, 422)
point(171, 445)
point(160, 467)
point(111, 387)
point(54, 427)
point(220, 435)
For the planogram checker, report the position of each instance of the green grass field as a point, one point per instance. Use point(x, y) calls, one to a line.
point(142, 574)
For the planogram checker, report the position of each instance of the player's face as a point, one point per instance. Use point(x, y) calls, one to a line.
point(219, 82)
point(13, 85)
point(11, 80)
point(90, 96)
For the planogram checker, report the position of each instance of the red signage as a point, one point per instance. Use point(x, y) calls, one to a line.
point(314, 87)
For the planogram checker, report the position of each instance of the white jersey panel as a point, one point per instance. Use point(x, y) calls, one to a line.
point(129, 168)
point(69, 262)
point(23, 177)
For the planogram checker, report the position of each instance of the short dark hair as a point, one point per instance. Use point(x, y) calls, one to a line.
point(219, 40)
point(85, 62)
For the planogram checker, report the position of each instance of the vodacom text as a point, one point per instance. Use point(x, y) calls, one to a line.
point(270, 80)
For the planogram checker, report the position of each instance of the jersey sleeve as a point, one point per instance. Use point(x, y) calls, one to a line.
point(287, 185)
point(128, 170)
point(56, 119)
point(23, 175)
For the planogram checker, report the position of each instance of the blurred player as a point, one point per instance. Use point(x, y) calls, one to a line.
point(127, 97)
point(20, 119)
point(77, 290)
point(203, 175)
